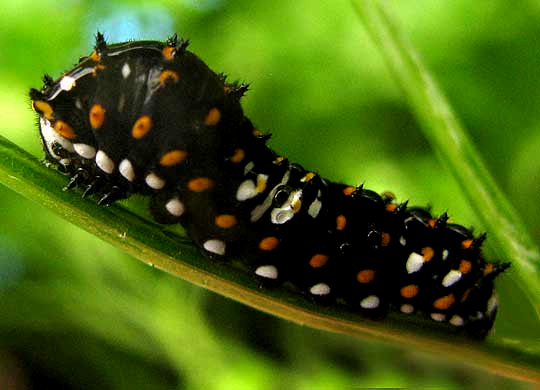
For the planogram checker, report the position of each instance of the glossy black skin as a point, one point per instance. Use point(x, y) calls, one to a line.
point(178, 109)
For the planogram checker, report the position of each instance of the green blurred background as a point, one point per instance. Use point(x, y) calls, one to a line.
point(75, 312)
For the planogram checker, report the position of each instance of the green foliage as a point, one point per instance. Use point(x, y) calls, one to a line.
point(81, 312)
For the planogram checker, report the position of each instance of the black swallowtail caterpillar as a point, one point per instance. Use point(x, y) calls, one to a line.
point(151, 118)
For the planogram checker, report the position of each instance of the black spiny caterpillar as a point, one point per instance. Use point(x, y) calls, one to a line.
point(150, 117)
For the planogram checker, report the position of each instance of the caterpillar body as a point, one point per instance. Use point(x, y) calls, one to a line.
point(151, 118)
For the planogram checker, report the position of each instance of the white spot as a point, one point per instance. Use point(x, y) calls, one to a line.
point(492, 304)
point(407, 308)
point(65, 161)
point(154, 181)
point(246, 190)
point(175, 207)
point(126, 169)
point(370, 302)
point(320, 289)
point(280, 215)
point(451, 277)
point(104, 162)
point(78, 104)
point(121, 103)
point(84, 150)
point(315, 206)
point(402, 241)
point(126, 70)
point(67, 83)
point(50, 136)
point(259, 210)
point(457, 320)
point(439, 317)
point(267, 271)
point(414, 262)
point(445, 254)
point(215, 246)
point(249, 166)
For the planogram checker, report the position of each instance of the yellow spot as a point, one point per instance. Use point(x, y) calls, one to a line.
point(318, 260)
point(428, 253)
point(213, 117)
point(95, 56)
point(391, 207)
point(307, 177)
point(238, 156)
point(141, 127)
point(297, 205)
point(43, 108)
point(341, 222)
point(226, 221)
point(445, 302)
point(349, 190)
point(168, 75)
point(97, 68)
point(261, 183)
point(256, 133)
point(488, 269)
point(96, 116)
point(200, 184)
point(432, 223)
point(173, 157)
point(226, 89)
point(64, 129)
point(168, 52)
point(279, 159)
point(385, 239)
point(466, 244)
point(465, 266)
point(268, 243)
point(365, 276)
point(409, 291)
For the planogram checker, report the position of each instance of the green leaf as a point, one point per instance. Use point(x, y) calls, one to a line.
point(176, 255)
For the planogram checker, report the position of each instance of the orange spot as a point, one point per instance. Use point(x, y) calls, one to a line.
point(466, 294)
point(261, 183)
point(168, 75)
point(173, 157)
point(256, 133)
point(141, 127)
point(409, 291)
point(43, 108)
point(341, 221)
point(307, 177)
point(226, 221)
point(95, 56)
point(226, 89)
point(465, 266)
point(318, 260)
point(428, 253)
point(385, 239)
point(268, 243)
point(213, 117)
point(168, 52)
point(97, 68)
point(488, 269)
point(279, 159)
point(238, 156)
point(445, 302)
point(96, 116)
point(432, 223)
point(466, 244)
point(64, 129)
point(297, 205)
point(391, 207)
point(389, 195)
point(200, 184)
point(365, 276)
point(349, 190)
